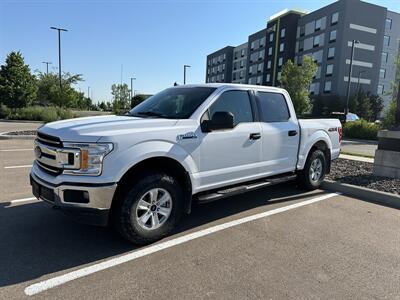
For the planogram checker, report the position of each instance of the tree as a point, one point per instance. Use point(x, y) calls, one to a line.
point(49, 91)
point(296, 80)
point(103, 106)
point(121, 96)
point(324, 105)
point(17, 84)
point(137, 100)
point(377, 106)
point(390, 115)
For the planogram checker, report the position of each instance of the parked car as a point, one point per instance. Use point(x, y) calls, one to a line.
point(142, 171)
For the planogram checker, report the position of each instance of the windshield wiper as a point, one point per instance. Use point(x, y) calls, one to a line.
point(149, 113)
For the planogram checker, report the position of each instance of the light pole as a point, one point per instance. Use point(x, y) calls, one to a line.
point(59, 52)
point(184, 73)
point(88, 92)
point(132, 93)
point(354, 42)
point(397, 119)
point(47, 66)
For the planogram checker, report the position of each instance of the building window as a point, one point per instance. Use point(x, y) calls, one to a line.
point(222, 76)
point(329, 70)
point(328, 86)
point(331, 53)
point(388, 23)
point(271, 37)
point(268, 78)
point(260, 55)
point(251, 70)
point(318, 24)
point(242, 53)
point(335, 18)
point(380, 89)
point(233, 76)
point(279, 75)
point(270, 51)
point(259, 68)
point(241, 74)
point(301, 45)
point(302, 30)
point(317, 74)
point(242, 64)
point(262, 42)
point(280, 61)
point(269, 65)
point(384, 57)
point(209, 62)
point(382, 73)
point(259, 80)
point(252, 45)
point(386, 40)
point(208, 71)
point(281, 47)
point(223, 67)
point(332, 36)
point(283, 33)
point(316, 41)
point(224, 57)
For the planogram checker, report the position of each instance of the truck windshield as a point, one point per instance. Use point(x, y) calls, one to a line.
point(173, 103)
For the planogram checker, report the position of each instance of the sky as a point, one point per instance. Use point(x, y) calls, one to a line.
point(149, 40)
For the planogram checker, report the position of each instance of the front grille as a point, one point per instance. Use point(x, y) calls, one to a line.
point(48, 139)
point(49, 169)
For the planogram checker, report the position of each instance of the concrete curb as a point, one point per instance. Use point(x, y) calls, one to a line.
point(363, 193)
point(5, 136)
point(20, 121)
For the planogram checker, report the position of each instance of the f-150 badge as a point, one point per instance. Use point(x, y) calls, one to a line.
point(188, 135)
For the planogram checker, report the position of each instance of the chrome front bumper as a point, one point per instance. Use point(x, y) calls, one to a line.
point(98, 205)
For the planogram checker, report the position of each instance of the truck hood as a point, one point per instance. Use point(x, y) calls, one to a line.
point(91, 129)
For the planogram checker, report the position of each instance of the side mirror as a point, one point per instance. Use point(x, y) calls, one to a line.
point(220, 120)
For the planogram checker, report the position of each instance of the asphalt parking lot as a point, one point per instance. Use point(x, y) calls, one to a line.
point(275, 243)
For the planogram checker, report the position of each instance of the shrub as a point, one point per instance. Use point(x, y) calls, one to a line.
point(361, 129)
point(39, 113)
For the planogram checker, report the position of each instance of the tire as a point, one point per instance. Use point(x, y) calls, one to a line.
point(136, 206)
point(314, 171)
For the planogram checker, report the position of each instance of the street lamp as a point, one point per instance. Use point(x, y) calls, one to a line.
point(354, 42)
point(59, 52)
point(88, 92)
point(184, 73)
point(47, 66)
point(132, 93)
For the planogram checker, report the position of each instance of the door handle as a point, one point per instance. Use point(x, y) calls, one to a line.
point(292, 132)
point(255, 136)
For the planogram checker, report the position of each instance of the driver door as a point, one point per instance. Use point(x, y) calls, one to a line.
point(230, 156)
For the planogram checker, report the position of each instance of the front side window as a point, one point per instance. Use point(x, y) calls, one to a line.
point(172, 103)
point(235, 102)
point(273, 107)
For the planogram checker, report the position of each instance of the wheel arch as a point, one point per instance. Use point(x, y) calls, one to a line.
point(164, 164)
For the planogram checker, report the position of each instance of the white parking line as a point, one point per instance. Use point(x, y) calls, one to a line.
point(59, 280)
point(12, 150)
point(17, 167)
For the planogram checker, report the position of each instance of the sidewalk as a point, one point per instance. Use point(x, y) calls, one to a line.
point(357, 158)
point(359, 147)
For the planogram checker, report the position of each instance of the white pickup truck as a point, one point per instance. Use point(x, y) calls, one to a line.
point(142, 171)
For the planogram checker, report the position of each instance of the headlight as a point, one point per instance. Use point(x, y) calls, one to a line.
point(91, 158)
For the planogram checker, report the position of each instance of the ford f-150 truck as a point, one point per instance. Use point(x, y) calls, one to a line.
point(142, 171)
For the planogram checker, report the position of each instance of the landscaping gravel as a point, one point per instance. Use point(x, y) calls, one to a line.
point(360, 174)
point(22, 132)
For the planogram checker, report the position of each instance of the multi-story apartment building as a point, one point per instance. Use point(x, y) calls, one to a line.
point(219, 65)
point(239, 65)
point(327, 35)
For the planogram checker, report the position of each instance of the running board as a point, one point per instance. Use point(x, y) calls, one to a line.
point(219, 194)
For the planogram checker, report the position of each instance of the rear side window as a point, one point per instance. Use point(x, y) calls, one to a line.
point(273, 107)
point(236, 102)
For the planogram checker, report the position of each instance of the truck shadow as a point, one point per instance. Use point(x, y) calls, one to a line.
point(36, 240)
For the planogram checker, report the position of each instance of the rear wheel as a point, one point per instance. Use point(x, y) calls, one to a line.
point(150, 209)
point(314, 170)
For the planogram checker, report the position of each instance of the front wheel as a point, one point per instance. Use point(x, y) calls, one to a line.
point(314, 170)
point(150, 209)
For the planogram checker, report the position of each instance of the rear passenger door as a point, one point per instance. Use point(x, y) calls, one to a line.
point(280, 134)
